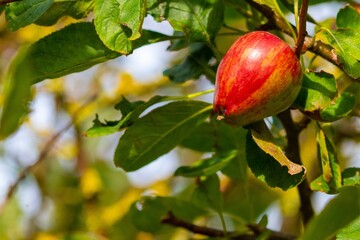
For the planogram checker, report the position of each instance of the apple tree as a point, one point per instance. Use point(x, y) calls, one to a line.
point(287, 142)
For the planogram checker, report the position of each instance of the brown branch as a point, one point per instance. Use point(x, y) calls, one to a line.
point(42, 156)
point(211, 232)
point(302, 28)
point(4, 2)
point(293, 152)
point(323, 50)
point(256, 230)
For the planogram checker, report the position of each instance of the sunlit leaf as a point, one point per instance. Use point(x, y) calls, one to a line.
point(72, 49)
point(317, 91)
point(343, 209)
point(16, 93)
point(22, 13)
point(351, 176)
point(206, 167)
point(158, 132)
point(119, 22)
point(131, 112)
point(346, 43)
point(351, 231)
point(263, 138)
point(330, 165)
point(200, 20)
point(348, 17)
point(274, 5)
point(342, 106)
point(76, 9)
point(269, 164)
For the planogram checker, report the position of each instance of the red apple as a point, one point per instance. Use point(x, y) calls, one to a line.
point(258, 77)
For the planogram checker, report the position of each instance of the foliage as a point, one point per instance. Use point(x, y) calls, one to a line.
point(234, 174)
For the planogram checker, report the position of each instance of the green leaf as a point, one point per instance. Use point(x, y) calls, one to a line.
point(148, 212)
point(110, 127)
point(331, 171)
point(248, 201)
point(126, 107)
point(119, 22)
point(235, 138)
point(267, 161)
point(72, 49)
point(178, 42)
point(131, 112)
point(343, 209)
point(202, 139)
point(274, 5)
point(348, 17)
point(264, 139)
point(317, 91)
point(16, 95)
point(351, 231)
point(200, 20)
point(351, 176)
point(193, 66)
point(75, 9)
point(158, 132)
point(80, 49)
point(206, 167)
point(342, 106)
point(132, 13)
point(22, 13)
point(207, 193)
point(346, 43)
point(216, 136)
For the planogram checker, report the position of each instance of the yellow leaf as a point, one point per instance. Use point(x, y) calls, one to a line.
point(90, 182)
point(290, 202)
point(116, 211)
point(144, 236)
point(46, 236)
point(161, 188)
point(129, 86)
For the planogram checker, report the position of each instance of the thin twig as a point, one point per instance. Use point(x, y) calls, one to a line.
point(302, 28)
point(42, 156)
point(210, 232)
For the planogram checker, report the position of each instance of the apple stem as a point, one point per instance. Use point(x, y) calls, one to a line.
point(302, 28)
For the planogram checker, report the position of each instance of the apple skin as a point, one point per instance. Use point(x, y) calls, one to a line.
point(258, 77)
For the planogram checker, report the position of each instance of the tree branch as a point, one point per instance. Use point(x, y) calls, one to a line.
point(302, 28)
point(42, 156)
point(256, 230)
point(293, 152)
point(211, 232)
point(4, 2)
